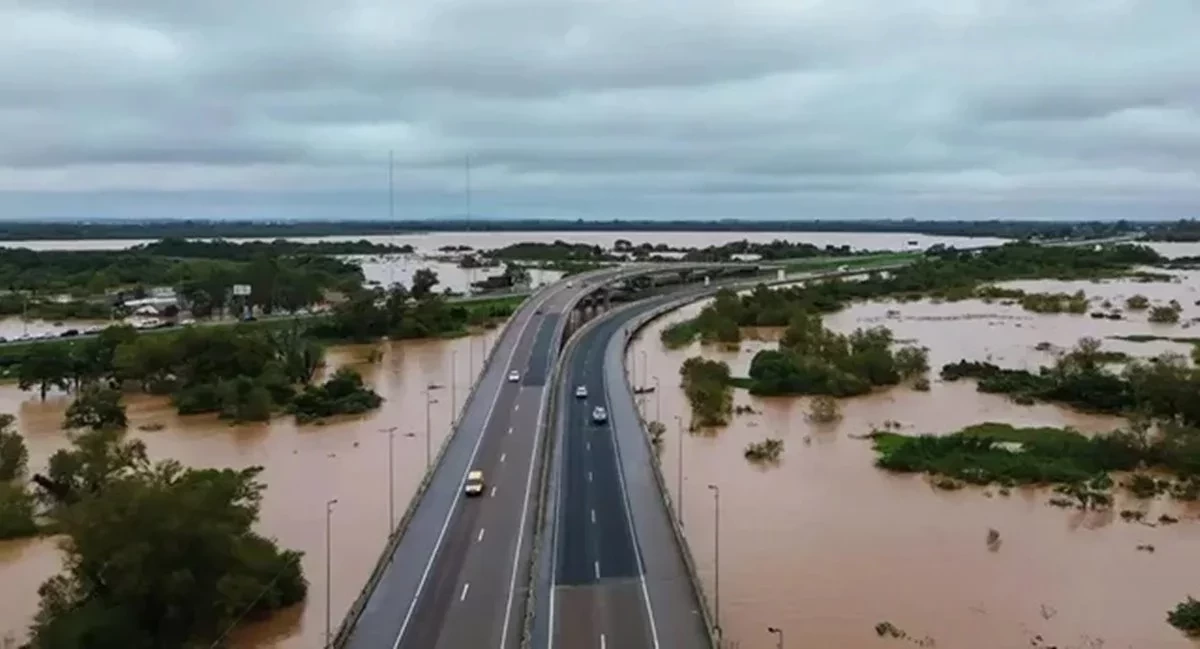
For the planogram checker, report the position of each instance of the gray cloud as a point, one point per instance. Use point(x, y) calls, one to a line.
point(601, 108)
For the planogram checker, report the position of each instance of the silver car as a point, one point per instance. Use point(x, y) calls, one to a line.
point(599, 415)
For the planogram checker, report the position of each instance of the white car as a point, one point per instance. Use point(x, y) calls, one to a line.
point(581, 392)
point(474, 484)
point(514, 376)
point(599, 415)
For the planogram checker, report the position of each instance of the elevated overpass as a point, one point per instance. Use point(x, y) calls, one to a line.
point(461, 573)
point(454, 571)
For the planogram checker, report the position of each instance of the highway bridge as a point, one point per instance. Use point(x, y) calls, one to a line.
point(572, 543)
point(456, 570)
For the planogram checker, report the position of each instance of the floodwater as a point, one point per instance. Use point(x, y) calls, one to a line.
point(304, 467)
point(429, 243)
point(386, 270)
point(825, 546)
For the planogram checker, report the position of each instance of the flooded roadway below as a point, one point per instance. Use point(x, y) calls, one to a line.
point(304, 466)
point(826, 546)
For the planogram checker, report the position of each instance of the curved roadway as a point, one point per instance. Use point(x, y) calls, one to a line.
point(618, 579)
point(463, 589)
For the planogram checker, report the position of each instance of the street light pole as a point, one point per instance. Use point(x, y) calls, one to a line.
point(717, 554)
point(454, 385)
point(391, 433)
point(328, 570)
point(428, 428)
point(657, 399)
point(778, 636)
point(679, 472)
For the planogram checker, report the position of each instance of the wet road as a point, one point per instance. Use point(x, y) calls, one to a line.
point(466, 588)
point(618, 576)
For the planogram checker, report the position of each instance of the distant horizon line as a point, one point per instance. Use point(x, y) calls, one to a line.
point(476, 220)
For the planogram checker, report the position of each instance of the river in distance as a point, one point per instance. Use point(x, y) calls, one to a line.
point(826, 546)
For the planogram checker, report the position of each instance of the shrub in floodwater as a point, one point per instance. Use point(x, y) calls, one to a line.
point(767, 450)
point(1137, 302)
point(1164, 314)
point(1186, 616)
point(656, 430)
point(824, 409)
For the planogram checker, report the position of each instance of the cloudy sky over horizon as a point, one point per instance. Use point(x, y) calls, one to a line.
point(601, 108)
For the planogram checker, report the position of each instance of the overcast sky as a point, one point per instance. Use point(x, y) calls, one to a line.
point(600, 108)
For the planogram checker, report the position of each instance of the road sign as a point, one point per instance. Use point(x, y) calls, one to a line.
point(241, 289)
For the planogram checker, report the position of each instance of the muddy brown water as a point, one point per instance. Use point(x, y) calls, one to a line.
point(304, 466)
point(826, 546)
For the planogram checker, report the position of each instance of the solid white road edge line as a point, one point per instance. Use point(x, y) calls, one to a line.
point(474, 451)
point(537, 440)
point(637, 550)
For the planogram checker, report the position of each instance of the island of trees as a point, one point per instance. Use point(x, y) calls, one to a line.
point(157, 555)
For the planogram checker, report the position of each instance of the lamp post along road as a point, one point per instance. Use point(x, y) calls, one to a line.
point(657, 399)
point(328, 569)
point(391, 433)
point(717, 555)
point(679, 471)
point(428, 429)
point(454, 385)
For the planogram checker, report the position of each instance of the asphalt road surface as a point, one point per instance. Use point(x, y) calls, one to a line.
point(460, 583)
point(606, 594)
point(464, 586)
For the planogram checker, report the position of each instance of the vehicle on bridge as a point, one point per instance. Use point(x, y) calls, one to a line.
point(581, 392)
point(474, 485)
point(514, 376)
point(599, 415)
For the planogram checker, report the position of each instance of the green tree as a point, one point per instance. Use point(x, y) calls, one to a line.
point(912, 362)
point(17, 510)
point(45, 366)
point(1186, 616)
point(96, 407)
point(148, 361)
point(96, 459)
point(301, 356)
point(13, 455)
point(164, 559)
point(423, 282)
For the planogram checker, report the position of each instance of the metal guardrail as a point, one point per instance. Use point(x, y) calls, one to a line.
point(638, 323)
point(689, 561)
point(385, 558)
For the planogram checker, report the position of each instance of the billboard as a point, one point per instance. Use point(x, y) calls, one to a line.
point(241, 289)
